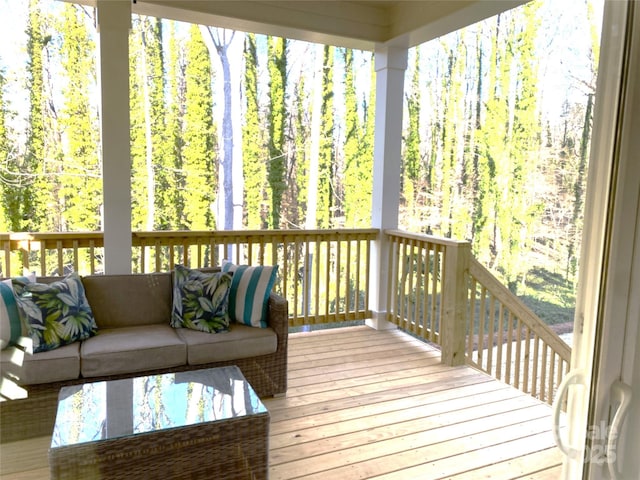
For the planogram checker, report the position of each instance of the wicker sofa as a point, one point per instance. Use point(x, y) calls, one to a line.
point(135, 338)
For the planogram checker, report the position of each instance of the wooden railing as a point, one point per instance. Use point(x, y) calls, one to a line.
point(442, 294)
point(437, 290)
point(324, 274)
point(508, 341)
point(426, 279)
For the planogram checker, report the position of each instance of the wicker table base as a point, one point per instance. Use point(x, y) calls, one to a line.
point(233, 446)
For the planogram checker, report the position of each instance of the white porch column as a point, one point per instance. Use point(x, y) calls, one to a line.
point(114, 22)
point(391, 63)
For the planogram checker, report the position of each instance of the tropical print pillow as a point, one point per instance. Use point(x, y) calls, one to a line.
point(57, 313)
point(200, 300)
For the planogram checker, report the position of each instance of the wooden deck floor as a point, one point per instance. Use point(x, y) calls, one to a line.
point(368, 404)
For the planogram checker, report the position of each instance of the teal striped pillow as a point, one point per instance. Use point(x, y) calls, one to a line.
point(10, 324)
point(249, 294)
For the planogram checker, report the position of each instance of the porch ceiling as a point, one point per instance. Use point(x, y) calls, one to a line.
point(355, 23)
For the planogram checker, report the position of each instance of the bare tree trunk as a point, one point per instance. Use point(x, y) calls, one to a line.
point(221, 45)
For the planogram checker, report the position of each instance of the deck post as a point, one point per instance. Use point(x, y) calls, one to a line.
point(114, 22)
point(454, 293)
point(390, 65)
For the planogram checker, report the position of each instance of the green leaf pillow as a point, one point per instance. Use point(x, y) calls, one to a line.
point(200, 300)
point(57, 313)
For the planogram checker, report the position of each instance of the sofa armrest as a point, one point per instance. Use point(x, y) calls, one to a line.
point(278, 316)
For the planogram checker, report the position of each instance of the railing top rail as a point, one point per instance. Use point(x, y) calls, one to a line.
point(38, 236)
point(53, 240)
point(426, 238)
point(370, 232)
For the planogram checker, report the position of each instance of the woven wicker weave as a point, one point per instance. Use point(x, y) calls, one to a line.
point(233, 448)
point(34, 416)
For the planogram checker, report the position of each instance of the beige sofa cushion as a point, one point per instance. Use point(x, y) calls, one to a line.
point(127, 300)
point(56, 365)
point(115, 351)
point(240, 341)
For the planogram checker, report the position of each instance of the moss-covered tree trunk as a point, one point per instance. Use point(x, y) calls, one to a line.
point(199, 154)
point(277, 66)
point(326, 151)
point(254, 156)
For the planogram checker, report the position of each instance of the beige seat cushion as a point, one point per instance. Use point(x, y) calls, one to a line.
point(115, 351)
point(55, 365)
point(240, 341)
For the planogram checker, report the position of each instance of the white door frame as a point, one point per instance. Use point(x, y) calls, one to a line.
point(606, 294)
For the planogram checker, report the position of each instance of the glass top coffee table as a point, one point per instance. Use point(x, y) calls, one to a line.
point(197, 424)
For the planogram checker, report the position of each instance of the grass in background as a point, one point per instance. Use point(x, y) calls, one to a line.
point(550, 296)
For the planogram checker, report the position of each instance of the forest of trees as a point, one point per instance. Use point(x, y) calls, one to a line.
point(492, 152)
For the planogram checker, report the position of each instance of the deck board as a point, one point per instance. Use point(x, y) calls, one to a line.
point(378, 404)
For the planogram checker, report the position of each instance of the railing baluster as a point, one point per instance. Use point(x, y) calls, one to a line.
point(158, 254)
point(543, 373)
point(516, 381)
point(317, 278)
point(411, 299)
point(347, 294)
point(327, 276)
point(92, 257)
point(76, 263)
point(481, 316)
point(500, 346)
point(526, 363)
point(508, 378)
point(403, 287)
point(438, 282)
point(60, 254)
point(472, 318)
point(421, 292)
point(337, 275)
point(534, 374)
point(358, 265)
point(492, 306)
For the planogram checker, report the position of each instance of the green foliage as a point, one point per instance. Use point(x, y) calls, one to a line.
point(412, 158)
point(254, 167)
point(358, 165)
point(81, 169)
point(171, 202)
point(9, 183)
point(299, 177)
point(473, 165)
point(152, 154)
point(277, 66)
point(30, 199)
point(486, 174)
point(199, 153)
point(327, 148)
